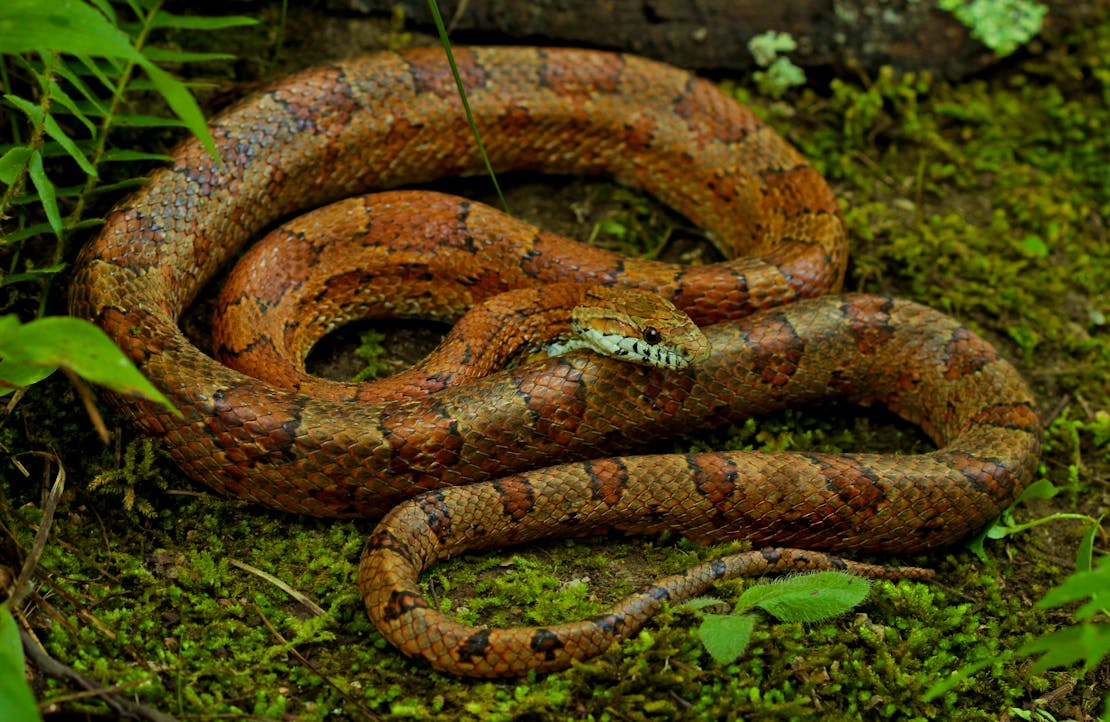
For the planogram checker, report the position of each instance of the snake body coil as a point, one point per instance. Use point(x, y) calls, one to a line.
point(392, 119)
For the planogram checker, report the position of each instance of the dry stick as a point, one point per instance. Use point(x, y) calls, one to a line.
point(22, 586)
point(52, 667)
point(34, 650)
point(89, 400)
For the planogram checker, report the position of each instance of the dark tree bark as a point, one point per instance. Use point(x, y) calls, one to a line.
point(842, 35)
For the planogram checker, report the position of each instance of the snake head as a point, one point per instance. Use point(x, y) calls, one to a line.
point(638, 326)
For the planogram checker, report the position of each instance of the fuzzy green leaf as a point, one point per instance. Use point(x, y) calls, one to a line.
point(46, 192)
point(1087, 643)
point(13, 162)
point(726, 636)
point(807, 597)
point(75, 344)
point(16, 700)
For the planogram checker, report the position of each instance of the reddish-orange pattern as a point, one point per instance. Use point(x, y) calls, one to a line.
point(393, 119)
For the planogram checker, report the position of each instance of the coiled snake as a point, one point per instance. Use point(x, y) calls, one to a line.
point(392, 119)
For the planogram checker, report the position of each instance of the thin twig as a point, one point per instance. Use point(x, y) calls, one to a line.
point(88, 398)
point(304, 660)
point(124, 707)
point(22, 586)
point(299, 596)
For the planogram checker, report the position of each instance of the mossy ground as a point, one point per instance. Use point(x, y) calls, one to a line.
point(987, 199)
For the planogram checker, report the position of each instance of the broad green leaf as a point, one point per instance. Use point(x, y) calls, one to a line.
point(13, 162)
point(46, 192)
point(1086, 643)
point(79, 346)
point(64, 26)
point(726, 636)
point(807, 597)
point(1093, 585)
point(105, 6)
point(164, 19)
point(15, 375)
point(16, 700)
point(1040, 489)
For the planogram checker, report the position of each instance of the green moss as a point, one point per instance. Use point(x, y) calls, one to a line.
point(985, 199)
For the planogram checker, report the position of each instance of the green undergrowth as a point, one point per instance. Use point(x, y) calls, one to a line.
point(986, 199)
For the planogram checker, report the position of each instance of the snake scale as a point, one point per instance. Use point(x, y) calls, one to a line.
point(483, 451)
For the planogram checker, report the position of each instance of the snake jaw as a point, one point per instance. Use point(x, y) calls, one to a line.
point(638, 326)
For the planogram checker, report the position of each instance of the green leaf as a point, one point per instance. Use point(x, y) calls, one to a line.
point(23, 234)
point(1085, 553)
point(726, 636)
point(13, 162)
point(77, 345)
point(55, 131)
point(64, 26)
point(1087, 643)
point(183, 104)
point(146, 121)
point(33, 111)
point(91, 105)
point(950, 682)
point(167, 55)
point(14, 376)
point(16, 700)
point(61, 97)
point(1040, 489)
point(122, 154)
point(1093, 585)
point(164, 19)
point(46, 192)
point(807, 597)
point(696, 603)
point(36, 274)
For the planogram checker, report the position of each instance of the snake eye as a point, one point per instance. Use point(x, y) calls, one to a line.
point(652, 335)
